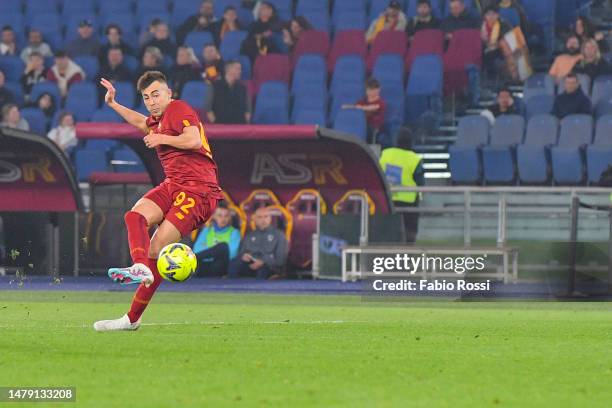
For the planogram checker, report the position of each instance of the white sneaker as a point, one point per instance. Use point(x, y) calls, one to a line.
point(137, 273)
point(123, 323)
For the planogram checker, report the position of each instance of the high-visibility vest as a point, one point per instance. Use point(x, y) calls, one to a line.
point(399, 166)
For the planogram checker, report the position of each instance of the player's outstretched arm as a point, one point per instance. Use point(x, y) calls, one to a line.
point(130, 116)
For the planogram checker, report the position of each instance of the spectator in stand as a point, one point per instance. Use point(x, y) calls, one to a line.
point(505, 105)
point(424, 19)
point(33, 73)
point(263, 252)
point(148, 34)
point(217, 244)
point(11, 118)
point(227, 100)
point(584, 30)
point(161, 40)
point(114, 40)
point(212, 69)
point(65, 72)
point(393, 18)
point(458, 19)
point(592, 63)
point(292, 31)
point(185, 70)
point(204, 20)
point(64, 135)
point(573, 100)
point(258, 42)
point(266, 16)
point(229, 22)
point(45, 103)
point(8, 45)
point(35, 44)
point(86, 43)
point(113, 68)
point(6, 96)
point(564, 63)
point(374, 107)
point(495, 46)
point(513, 4)
point(152, 60)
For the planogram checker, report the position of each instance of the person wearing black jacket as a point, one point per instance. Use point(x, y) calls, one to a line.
point(592, 63)
point(184, 71)
point(204, 20)
point(423, 20)
point(227, 100)
point(114, 40)
point(573, 100)
point(458, 19)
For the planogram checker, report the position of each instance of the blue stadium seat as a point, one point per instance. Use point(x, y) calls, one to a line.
point(389, 69)
point(126, 93)
point(346, 94)
point(343, 6)
point(82, 100)
point(36, 119)
point(247, 70)
point(272, 104)
point(394, 116)
point(148, 6)
point(125, 20)
point(87, 161)
point(306, 5)
point(194, 93)
point(498, 157)
point(197, 40)
point(130, 62)
point(115, 7)
point(350, 69)
point(533, 156)
point(182, 10)
point(567, 157)
point(312, 99)
point(78, 7)
point(602, 88)
point(539, 104)
point(424, 89)
point(604, 106)
point(319, 18)
point(103, 145)
point(46, 87)
point(599, 154)
point(12, 66)
point(541, 15)
point(106, 114)
point(49, 24)
point(15, 21)
point(310, 72)
point(464, 156)
point(90, 65)
point(309, 117)
point(127, 161)
point(10, 6)
point(538, 84)
point(230, 45)
point(283, 9)
point(17, 91)
point(33, 7)
point(350, 20)
point(510, 15)
point(220, 6)
point(352, 121)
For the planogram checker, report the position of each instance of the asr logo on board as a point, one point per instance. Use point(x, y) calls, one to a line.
point(298, 168)
point(31, 171)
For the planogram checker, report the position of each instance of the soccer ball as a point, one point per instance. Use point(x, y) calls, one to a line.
point(176, 262)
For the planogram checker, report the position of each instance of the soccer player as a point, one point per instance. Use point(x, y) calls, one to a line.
point(180, 204)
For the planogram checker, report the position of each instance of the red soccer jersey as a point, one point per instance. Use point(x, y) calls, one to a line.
point(190, 168)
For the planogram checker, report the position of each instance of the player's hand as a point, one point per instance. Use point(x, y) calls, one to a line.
point(247, 257)
point(256, 264)
point(152, 140)
point(109, 98)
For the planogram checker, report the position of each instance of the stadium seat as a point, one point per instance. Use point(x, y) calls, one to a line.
point(272, 104)
point(125, 20)
point(284, 8)
point(350, 69)
point(350, 20)
point(271, 67)
point(127, 161)
point(498, 161)
point(87, 161)
point(424, 89)
point(182, 10)
point(394, 116)
point(602, 88)
point(106, 114)
point(146, 6)
point(575, 134)
point(197, 40)
point(464, 49)
point(318, 18)
point(90, 66)
point(11, 6)
point(510, 15)
point(257, 199)
point(599, 154)
point(310, 71)
point(389, 69)
point(247, 72)
point(303, 209)
point(82, 100)
point(305, 5)
point(104, 145)
point(310, 42)
point(126, 94)
point(425, 42)
point(230, 45)
point(49, 24)
point(116, 7)
point(34, 7)
point(194, 93)
point(533, 156)
point(387, 42)
point(36, 119)
point(538, 84)
point(351, 121)
point(539, 104)
point(12, 66)
point(46, 87)
point(346, 94)
point(345, 43)
point(17, 90)
point(15, 20)
point(342, 6)
point(307, 116)
point(350, 203)
point(604, 106)
point(78, 7)
point(314, 98)
point(464, 156)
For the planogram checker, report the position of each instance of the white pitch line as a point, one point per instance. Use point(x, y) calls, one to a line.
point(81, 326)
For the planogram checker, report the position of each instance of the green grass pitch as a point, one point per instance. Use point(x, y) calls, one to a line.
point(238, 350)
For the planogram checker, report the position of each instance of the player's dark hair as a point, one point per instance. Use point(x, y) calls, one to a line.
point(148, 78)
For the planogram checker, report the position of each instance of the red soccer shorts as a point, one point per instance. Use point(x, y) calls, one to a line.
point(185, 209)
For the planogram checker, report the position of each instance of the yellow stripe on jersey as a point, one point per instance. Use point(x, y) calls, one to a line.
point(205, 144)
point(186, 122)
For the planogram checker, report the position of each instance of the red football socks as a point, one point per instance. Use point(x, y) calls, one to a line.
point(138, 236)
point(143, 294)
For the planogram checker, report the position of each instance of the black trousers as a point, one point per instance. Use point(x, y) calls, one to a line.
point(213, 261)
point(411, 220)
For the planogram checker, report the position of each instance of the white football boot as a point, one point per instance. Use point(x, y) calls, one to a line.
point(135, 274)
point(123, 323)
